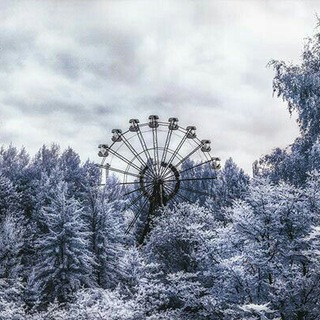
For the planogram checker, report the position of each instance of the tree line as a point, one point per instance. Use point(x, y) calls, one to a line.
point(249, 251)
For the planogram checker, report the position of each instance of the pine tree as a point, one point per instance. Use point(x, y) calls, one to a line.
point(13, 164)
point(65, 262)
point(232, 184)
point(106, 227)
point(11, 246)
point(108, 243)
point(70, 165)
point(9, 198)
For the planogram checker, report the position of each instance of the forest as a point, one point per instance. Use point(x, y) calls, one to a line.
point(251, 251)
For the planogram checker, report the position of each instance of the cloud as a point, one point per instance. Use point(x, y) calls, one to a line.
point(72, 71)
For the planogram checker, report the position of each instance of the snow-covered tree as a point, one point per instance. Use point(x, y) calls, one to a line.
point(231, 185)
point(107, 243)
point(143, 283)
point(180, 236)
point(70, 165)
point(93, 304)
point(263, 251)
point(182, 245)
point(298, 85)
point(11, 245)
point(46, 159)
point(106, 226)
point(64, 261)
point(9, 198)
point(13, 164)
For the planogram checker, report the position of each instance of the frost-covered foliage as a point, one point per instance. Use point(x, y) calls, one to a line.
point(180, 240)
point(267, 260)
point(241, 250)
point(229, 248)
point(298, 85)
point(99, 304)
point(229, 184)
point(107, 239)
point(64, 262)
point(11, 246)
point(9, 198)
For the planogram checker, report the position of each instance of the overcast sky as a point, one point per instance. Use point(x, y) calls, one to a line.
point(70, 71)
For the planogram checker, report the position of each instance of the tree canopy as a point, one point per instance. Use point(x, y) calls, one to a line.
point(246, 248)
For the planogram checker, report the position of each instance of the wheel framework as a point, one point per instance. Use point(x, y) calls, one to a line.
point(151, 157)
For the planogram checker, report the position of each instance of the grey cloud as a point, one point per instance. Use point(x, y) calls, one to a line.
point(68, 65)
point(111, 53)
point(74, 112)
point(173, 96)
point(96, 65)
point(15, 47)
point(41, 108)
point(7, 136)
point(107, 56)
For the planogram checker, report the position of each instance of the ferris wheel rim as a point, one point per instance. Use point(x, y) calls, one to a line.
point(164, 124)
point(157, 168)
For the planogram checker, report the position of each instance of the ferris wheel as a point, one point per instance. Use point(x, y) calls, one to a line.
point(156, 161)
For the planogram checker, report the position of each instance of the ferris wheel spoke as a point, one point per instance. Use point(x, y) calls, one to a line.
point(191, 168)
point(193, 179)
point(135, 218)
point(144, 145)
point(146, 173)
point(151, 172)
point(195, 166)
point(154, 124)
point(133, 202)
point(155, 149)
point(124, 159)
point(165, 190)
point(149, 189)
point(182, 197)
point(169, 190)
point(108, 167)
point(168, 186)
point(184, 159)
point(176, 152)
point(188, 155)
point(132, 149)
point(133, 191)
point(166, 147)
point(127, 183)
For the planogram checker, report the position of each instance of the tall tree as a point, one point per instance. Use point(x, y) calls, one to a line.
point(107, 238)
point(298, 85)
point(9, 198)
point(13, 164)
point(264, 252)
point(11, 246)
point(182, 244)
point(65, 262)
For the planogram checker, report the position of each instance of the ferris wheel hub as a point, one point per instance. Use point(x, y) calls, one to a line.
point(166, 181)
